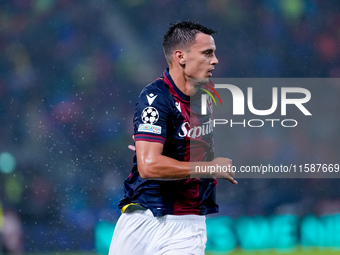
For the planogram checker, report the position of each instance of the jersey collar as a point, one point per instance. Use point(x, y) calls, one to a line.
point(168, 80)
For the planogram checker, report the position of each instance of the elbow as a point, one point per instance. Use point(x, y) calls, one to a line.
point(145, 170)
point(144, 175)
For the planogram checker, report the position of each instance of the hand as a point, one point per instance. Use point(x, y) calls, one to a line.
point(227, 175)
point(132, 147)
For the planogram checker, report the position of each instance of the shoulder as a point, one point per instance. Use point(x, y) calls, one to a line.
point(158, 86)
point(156, 92)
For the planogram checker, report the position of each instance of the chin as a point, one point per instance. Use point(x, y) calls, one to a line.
point(199, 81)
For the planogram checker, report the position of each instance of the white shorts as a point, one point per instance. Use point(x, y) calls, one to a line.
point(140, 233)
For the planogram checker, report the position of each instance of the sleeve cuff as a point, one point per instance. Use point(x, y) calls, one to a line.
point(149, 138)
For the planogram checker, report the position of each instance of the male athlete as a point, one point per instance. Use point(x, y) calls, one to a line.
point(163, 207)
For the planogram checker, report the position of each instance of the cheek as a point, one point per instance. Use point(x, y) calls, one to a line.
point(190, 66)
point(201, 66)
point(196, 64)
point(193, 69)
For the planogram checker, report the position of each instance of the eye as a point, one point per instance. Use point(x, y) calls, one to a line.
point(206, 52)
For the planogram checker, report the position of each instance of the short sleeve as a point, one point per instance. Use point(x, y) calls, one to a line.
point(152, 114)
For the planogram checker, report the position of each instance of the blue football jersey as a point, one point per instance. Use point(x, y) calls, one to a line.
point(166, 115)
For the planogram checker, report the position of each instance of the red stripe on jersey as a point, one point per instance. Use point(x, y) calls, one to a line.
point(188, 201)
point(149, 138)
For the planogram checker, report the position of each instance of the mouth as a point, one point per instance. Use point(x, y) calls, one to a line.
point(210, 71)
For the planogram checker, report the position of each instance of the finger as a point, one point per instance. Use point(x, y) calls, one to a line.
point(131, 147)
point(232, 180)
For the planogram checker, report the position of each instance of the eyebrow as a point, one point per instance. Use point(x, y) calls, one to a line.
point(208, 50)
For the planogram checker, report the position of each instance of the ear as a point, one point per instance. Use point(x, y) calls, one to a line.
point(179, 57)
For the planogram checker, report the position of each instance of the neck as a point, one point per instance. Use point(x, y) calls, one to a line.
point(182, 81)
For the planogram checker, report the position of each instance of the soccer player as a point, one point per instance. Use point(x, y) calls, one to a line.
point(164, 207)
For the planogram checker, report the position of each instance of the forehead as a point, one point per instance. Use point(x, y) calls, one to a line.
point(203, 42)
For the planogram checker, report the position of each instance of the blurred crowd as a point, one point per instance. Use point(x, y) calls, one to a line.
point(71, 72)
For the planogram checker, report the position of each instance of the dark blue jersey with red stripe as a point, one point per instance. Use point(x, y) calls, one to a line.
point(166, 115)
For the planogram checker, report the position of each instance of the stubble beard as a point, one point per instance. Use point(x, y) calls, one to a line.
point(196, 83)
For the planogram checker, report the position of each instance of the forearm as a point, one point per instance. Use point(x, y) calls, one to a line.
point(152, 164)
point(163, 167)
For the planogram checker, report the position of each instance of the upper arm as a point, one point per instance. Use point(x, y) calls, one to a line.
point(147, 154)
point(151, 120)
point(152, 114)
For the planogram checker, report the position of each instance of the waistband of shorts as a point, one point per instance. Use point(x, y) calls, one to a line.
point(169, 217)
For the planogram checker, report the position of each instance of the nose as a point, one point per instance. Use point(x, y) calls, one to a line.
point(214, 60)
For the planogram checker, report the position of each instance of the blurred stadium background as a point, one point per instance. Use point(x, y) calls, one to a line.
point(71, 71)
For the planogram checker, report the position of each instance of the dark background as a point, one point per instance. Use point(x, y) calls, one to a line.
point(71, 71)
